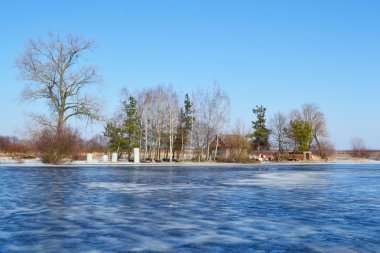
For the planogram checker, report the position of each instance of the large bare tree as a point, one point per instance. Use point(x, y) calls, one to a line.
point(55, 74)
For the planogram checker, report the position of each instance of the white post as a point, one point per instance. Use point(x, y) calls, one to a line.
point(105, 158)
point(89, 158)
point(114, 157)
point(136, 155)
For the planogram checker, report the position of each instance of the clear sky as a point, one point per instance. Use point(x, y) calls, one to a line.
point(281, 54)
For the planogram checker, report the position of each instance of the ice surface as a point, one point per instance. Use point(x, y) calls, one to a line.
point(309, 208)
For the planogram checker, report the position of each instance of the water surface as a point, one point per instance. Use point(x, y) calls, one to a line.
point(314, 208)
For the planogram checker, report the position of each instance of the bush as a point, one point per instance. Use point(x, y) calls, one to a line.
point(359, 149)
point(55, 146)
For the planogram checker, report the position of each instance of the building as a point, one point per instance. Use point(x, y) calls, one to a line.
point(230, 146)
point(300, 156)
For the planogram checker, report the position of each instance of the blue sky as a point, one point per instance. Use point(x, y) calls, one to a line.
point(281, 54)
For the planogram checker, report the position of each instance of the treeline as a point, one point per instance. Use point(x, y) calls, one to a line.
point(162, 123)
point(155, 121)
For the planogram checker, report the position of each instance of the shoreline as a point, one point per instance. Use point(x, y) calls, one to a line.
point(36, 163)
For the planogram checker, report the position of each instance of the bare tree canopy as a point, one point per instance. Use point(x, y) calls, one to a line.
point(278, 125)
point(55, 74)
point(212, 108)
point(359, 148)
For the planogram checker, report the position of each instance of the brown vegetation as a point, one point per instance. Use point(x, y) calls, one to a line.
point(55, 146)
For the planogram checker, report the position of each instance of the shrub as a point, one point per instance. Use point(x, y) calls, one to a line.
point(55, 146)
point(359, 149)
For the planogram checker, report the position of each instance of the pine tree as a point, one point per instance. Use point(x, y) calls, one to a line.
point(132, 124)
point(117, 140)
point(260, 136)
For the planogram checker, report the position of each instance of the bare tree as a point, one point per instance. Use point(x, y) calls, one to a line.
point(172, 108)
point(212, 109)
point(278, 125)
point(328, 148)
point(199, 135)
point(240, 142)
point(200, 127)
point(145, 99)
point(207, 112)
point(55, 74)
point(221, 106)
point(158, 122)
point(359, 148)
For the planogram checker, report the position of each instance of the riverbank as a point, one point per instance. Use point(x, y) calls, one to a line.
point(8, 161)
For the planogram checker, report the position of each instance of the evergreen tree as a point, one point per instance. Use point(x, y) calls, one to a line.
point(300, 132)
point(260, 136)
point(125, 136)
point(115, 133)
point(132, 124)
point(184, 127)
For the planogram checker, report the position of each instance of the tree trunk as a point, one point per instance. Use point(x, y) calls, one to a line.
point(208, 151)
point(182, 151)
point(319, 146)
point(159, 147)
point(216, 146)
point(146, 140)
point(171, 140)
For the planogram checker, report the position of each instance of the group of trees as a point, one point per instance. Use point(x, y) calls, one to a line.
point(154, 120)
point(301, 130)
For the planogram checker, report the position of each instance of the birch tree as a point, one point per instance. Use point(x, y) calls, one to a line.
point(171, 111)
point(200, 127)
point(158, 123)
point(213, 110)
point(221, 107)
point(145, 106)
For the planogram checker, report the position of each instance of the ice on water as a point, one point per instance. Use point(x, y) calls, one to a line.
point(182, 209)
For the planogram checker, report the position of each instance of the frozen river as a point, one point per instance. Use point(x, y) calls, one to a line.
point(314, 208)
